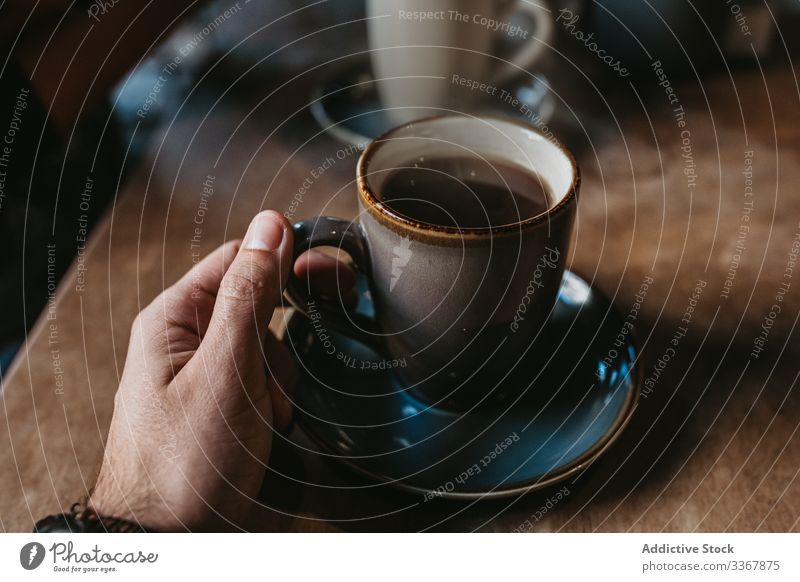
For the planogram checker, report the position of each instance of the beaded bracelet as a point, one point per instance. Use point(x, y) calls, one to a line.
point(81, 519)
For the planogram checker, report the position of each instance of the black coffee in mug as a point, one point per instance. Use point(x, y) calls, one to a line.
point(465, 192)
point(462, 307)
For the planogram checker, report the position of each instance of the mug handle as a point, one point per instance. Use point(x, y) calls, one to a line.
point(533, 49)
point(348, 236)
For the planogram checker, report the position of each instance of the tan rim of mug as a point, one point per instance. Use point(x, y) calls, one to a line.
point(405, 225)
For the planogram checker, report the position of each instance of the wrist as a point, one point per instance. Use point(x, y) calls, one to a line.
point(107, 499)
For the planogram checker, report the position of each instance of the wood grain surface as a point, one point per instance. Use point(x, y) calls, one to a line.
point(713, 447)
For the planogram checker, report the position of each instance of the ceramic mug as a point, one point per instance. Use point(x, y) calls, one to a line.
point(459, 306)
point(416, 46)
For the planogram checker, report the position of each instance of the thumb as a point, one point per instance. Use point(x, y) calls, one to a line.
point(253, 284)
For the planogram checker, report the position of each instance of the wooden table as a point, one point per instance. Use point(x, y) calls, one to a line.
point(713, 448)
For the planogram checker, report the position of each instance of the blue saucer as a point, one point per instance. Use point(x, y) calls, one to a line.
point(581, 389)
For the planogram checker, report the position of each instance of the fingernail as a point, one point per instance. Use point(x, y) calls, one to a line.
point(265, 233)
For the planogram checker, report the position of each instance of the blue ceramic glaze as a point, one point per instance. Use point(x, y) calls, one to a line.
point(580, 390)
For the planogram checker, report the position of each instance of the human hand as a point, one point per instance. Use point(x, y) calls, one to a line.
point(205, 383)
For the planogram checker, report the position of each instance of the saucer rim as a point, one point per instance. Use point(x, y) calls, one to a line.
point(333, 126)
point(548, 479)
